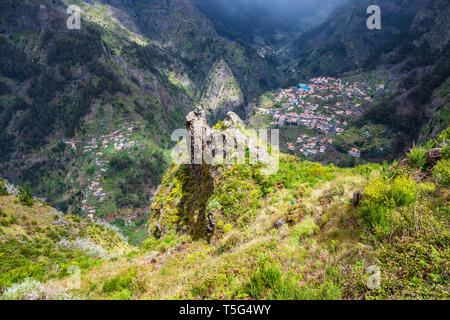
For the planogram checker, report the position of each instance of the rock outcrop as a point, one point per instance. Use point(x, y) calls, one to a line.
point(223, 92)
point(200, 134)
point(206, 146)
point(224, 145)
point(207, 143)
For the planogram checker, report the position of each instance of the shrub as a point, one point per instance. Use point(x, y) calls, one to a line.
point(35, 290)
point(213, 204)
point(125, 294)
point(442, 171)
point(417, 157)
point(227, 228)
point(305, 228)
point(400, 191)
point(445, 152)
point(378, 217)
point(208, 284)
point(445, 135)
point(170, 240)
point(3, 190)
point(124, 286)
point(328, 290)
point(270, 283)
point(118, 283)
point(25, 196)
point(13, 219)
point(231, 240)
point(263, 280)
point(426, 188)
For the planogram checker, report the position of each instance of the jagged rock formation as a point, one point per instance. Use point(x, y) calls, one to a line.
point(199, 133)
point(209, 149)
point(213, 146)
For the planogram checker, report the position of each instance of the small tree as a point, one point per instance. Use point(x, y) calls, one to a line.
point(25, 196)
point(3, 190)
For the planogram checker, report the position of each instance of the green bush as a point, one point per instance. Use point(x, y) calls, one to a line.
point(265, 281)
point(270, 283)
point(401, 191)
point(445, 152)
point(417, 157)
point(25, 196)
point(442, 171)
point(13, 219)
point(377, 216)
point(304, 229)
point(426, 188)
point(119, 283)
point(163, 244)
point(445, 135)
point(3, 190)
point(125, 294)
point(227, 228)
point(381, 199)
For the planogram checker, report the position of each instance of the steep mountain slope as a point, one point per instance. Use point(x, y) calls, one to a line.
point(413, 43)
point(179, 27)
point(86, 114)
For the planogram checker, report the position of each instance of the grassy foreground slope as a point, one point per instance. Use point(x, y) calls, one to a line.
point(297, 234)
point(39, 244)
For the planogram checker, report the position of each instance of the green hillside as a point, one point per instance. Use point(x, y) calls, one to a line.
point(299, 234)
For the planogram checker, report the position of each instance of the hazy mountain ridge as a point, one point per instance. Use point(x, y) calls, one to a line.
point(259, 21)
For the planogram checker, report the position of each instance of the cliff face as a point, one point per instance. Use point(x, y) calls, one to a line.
point(223, 93)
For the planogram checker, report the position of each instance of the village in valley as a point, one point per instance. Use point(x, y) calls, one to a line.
point(96, 150)
point(315, 114)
